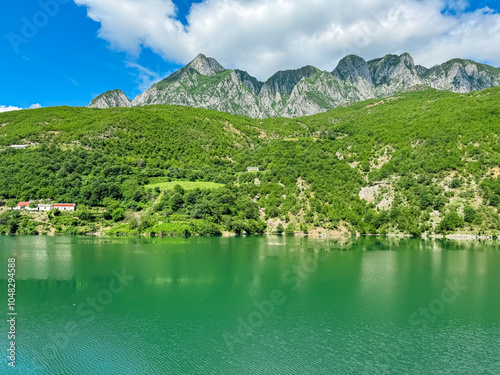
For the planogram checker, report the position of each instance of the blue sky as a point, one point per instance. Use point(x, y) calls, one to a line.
point(65, 63)
point(78, 51)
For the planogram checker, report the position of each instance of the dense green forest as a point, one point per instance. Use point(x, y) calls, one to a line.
point(422, 162)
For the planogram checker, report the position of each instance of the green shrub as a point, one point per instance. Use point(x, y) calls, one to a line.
point(470, 214)
point(290, 230)
point(450, 222)
point(118, 214)
point(280, 229)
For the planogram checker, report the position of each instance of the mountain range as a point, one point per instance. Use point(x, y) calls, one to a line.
point(204, 83)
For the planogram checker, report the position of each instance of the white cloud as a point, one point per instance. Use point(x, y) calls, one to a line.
point(263, 36)
point(457, 5)
point(4, 108)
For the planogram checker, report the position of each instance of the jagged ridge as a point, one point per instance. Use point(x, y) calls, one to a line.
point(110, 99)
point(204, 83)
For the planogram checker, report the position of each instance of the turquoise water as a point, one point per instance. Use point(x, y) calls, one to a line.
point(255, 305)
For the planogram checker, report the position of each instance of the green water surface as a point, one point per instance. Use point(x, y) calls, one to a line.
point(255, 305)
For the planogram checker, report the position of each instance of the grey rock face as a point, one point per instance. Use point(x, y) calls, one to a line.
point(394, 73)
point(251, 82)
point(206, 66)
point(319, 94)
point(205, 83)
point(222, 91)
point(353, 68)
point(355, 71)
point(277, 90)
point(462, 76)
point(110, 99)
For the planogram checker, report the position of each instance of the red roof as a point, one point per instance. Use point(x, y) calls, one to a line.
point(23, 204)
point(64, 205)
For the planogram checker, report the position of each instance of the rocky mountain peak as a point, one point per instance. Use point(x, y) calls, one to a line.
point(407, 59)
point(284, 81)
point(399, 72)
point(206, 66)
point(352, 68)
point(110, 99)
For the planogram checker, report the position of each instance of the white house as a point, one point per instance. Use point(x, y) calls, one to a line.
point(252, 169)
point(45, 207)
point(65, 206)
point(19, 146)
point(22, 206)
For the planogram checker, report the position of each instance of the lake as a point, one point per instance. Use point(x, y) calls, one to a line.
point(252, 305)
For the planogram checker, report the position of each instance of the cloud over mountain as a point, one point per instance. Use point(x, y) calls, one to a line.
point(264, 36)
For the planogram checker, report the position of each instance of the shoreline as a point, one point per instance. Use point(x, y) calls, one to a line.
point(344, 236)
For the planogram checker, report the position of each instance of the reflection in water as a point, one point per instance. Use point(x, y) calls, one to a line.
point(346, 305)
point(42, 257)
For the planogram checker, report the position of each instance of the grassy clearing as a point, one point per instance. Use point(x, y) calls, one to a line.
point(186, 185)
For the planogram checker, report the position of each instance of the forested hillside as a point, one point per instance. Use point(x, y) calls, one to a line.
point(423, 161)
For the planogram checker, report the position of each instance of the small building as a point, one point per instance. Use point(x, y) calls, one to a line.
point(253, 169)
point(19, 147)
point(22, 206)
point(65, 206)
point(45, 207)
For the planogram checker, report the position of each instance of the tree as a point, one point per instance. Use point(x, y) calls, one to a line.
point(450, 222)
point(303, 228)
point(238, 226)
point(11, 203)
point(133, 223)
point(280, 229)
point(177, 201)
point(84, 213)
point(440, 202)
point(13, 225)
point(118, 214)
point(272, 212)
point(290, 230)
point(252, 211)
point(110, 203)
point(470, 214)
point(456, 183)
point(178, 189)
point(261, 227)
